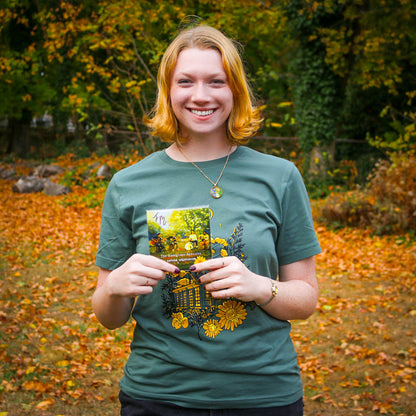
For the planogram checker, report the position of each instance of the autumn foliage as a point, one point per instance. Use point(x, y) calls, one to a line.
point(386, 204)
point(357, 352)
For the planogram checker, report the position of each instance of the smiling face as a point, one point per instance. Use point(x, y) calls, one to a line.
point(200, 95)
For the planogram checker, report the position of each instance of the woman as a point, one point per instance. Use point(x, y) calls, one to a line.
point(232, 355)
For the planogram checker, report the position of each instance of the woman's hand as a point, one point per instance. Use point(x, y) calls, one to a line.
point(116, 290)
point(229, 277)
point(137, 276)
point(297, 287)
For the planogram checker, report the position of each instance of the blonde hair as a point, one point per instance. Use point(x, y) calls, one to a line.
point(244, 119)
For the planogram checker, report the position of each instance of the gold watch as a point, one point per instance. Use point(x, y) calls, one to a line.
point(275, 289)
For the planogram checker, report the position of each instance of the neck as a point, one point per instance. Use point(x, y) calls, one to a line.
point(194, 152)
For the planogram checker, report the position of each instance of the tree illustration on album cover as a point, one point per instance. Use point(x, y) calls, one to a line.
point(180, 236)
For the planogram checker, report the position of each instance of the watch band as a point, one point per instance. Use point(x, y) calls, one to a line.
point(275, 289)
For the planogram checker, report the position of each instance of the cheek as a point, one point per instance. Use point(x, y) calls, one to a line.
point(228, 97)
point(177, 98)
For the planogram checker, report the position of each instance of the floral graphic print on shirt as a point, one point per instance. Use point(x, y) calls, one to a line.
point(188, 304)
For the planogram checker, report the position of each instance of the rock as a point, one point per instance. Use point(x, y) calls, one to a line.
point(7, 173)
point(53, 189)
point(29, 184)
point(44, 171)
point(105, 171)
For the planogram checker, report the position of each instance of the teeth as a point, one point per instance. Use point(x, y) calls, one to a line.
point(202, 113)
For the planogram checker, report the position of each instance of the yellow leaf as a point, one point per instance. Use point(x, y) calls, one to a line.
point(285, 104)
point(63, 363)
point(30, 370)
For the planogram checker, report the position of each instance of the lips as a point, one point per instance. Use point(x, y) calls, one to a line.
point(202, 112)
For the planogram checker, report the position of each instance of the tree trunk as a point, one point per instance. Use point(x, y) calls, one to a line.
point(18, 134)
point(321, 160)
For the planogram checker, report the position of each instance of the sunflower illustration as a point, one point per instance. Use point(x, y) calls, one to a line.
point(231, 314)
point(212, 328)
point(179, 320)
point(199, 259)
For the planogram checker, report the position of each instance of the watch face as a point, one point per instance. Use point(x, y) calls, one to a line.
point(274, 289)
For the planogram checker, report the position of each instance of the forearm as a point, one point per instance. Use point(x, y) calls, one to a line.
point(295, 299)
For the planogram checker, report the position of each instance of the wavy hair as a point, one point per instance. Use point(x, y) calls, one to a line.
point(244, 119)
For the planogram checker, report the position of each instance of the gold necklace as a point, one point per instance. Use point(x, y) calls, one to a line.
point(216, 191)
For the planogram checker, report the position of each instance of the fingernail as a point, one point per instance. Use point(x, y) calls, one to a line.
point(192, 268)
point(177, 271)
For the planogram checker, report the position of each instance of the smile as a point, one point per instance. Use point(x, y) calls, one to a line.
point(202, 113)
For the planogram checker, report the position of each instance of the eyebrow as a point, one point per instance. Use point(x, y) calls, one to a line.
point(217, 74)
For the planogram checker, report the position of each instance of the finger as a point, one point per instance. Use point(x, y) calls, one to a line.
point(217, 285)
point(222, 294)
point(142, 273)
point(212, 264)
point(214, 275)
point(156, 263)
point(150, 282)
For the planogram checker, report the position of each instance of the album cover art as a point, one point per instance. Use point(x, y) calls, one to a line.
point(180, 236)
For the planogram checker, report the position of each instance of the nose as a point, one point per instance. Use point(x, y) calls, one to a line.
point(200, 93)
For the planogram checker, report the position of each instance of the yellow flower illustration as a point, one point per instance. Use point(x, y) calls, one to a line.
point(179, 320)
point(231, 314)
point(199, 259)
point(221, 241)
point(224, 253)
point(212, 328)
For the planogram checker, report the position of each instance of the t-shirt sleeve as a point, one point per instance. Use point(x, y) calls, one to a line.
point(297, 238)
point(116, 243)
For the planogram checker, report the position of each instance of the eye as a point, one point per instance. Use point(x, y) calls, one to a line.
point(184, 81)
point(218, 82)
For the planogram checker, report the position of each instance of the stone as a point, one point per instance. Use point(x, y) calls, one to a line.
point(45, 171)
point(105, 171)
point(29, 184)
point(7, 173)
point(54, 189)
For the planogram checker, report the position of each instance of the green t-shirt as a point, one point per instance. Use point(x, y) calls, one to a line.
point(225, 353)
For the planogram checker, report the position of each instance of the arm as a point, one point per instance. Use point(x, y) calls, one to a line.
point(297, 288)
point(116, 290)
point(298, 291)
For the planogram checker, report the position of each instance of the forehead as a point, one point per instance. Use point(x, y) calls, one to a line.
point(199, 60)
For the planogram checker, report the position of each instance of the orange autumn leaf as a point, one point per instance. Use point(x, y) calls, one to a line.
point(45, 404)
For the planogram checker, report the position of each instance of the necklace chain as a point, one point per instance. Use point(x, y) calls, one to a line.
point(216, 191)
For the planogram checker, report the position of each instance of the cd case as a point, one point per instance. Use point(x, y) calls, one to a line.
point(181, 236)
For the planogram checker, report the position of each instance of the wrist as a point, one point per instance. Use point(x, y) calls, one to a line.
point(270, 293)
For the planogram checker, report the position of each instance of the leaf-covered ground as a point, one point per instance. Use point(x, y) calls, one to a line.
point(357, 352)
